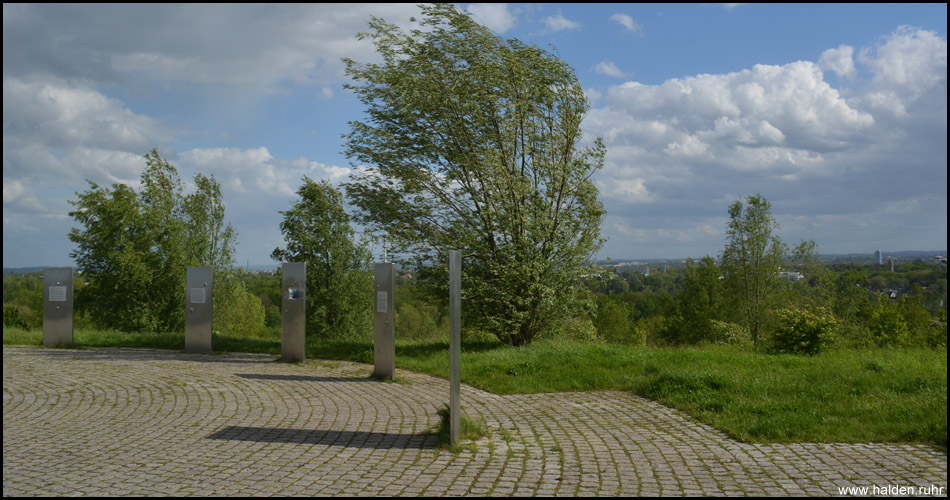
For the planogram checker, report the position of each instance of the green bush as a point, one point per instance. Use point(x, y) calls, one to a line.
point(886, 324)
point(722, 332)
point(237, 311)
point(650, 330)
point(803, 331)
point(12, 318)
point(418, 320)
point(613, 322)
point(574, 328)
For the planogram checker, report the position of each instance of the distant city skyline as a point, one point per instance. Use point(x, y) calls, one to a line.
point(835, 113)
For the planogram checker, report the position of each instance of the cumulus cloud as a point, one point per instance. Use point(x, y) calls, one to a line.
point(255, 170)
point(495, 16)
point(909, 66)
point(64, 115)
point(559, 22)
point(679, 152)
point(262, 46)
point(625, 21)
point(609, 68)
point(839, 60)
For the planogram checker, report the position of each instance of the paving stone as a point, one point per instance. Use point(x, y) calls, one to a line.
point(136, 422)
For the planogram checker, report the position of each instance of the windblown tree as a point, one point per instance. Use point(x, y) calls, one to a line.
point(474, 143)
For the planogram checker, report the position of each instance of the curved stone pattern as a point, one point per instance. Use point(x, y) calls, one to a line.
point(135, 422)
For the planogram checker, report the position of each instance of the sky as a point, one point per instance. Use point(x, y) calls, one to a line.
point(836, 114)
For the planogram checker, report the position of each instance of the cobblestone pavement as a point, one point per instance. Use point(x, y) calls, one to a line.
point(133, 422)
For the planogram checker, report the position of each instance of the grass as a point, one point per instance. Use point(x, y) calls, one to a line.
point(470, 430)
point(872, 395)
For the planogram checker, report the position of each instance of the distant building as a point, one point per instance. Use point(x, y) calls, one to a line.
point(791, 276)
point(880, 257)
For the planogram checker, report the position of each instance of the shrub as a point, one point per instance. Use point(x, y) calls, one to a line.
point(613, 322)
point(12, 318)
point(420, 321)
point(722, 332)
point(237, 311)
point(803, 331)
point(650, 330)
point(886, 324)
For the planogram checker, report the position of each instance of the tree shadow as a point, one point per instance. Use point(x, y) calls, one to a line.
point(347, 439)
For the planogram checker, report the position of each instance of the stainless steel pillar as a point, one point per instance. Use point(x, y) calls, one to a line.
point(455, 341)
point(57, 306)
point(293, 341)
point(384, 319)
point(199, 298)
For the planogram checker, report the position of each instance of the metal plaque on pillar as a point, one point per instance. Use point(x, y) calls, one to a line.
point(198, 309)
point(294, 318)
point(57, 306)
point(384, 319)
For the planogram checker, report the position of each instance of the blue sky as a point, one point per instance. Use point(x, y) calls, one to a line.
point(837, 114)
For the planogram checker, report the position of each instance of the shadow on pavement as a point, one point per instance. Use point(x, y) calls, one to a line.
point(146, 354)
point(348, 439)
point(303, 378)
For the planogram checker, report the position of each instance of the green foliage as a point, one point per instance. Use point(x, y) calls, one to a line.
point(653, 329)
point(12, 317)
point(420, 320)
point(721, 332)
point(23, 300)
point(339, 279)
point(134, 248)
point(751, 261)
point(803, 331)
point(700, 303)
point(474, 143)
point(886, 324)
point(237, 311)
point(613, 322)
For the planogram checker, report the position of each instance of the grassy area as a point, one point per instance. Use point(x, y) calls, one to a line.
point(880, 395)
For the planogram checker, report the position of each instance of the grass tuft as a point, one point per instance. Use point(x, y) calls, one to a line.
point(470, 430)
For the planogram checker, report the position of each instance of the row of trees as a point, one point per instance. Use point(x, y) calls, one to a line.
point(134, 248)
point(839, 303)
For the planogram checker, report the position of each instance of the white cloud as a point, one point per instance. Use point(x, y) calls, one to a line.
point(680, 152)
point(625, 21)
point(254, 171)
point(559, 22)
point(64, 114)
point(628, 190)
point(495, 16)
point(909, 67)
point(609, 68)
point(840, 61)
point(261, 46)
